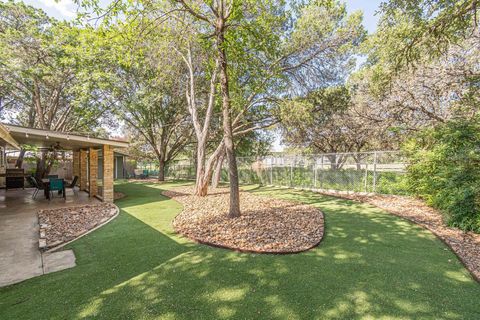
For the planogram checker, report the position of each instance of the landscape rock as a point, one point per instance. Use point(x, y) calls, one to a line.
point(266, 225)
point(61, 225)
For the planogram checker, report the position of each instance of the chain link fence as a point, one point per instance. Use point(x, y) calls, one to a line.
point(378, 172)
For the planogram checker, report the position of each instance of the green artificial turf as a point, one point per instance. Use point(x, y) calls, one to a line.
point(370, 265)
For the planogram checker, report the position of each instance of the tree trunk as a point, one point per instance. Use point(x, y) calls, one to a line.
point(41, 168)
point(201, 184)
point(234, 210)
point(161, 170)
point(218, 171)
point(19, 162)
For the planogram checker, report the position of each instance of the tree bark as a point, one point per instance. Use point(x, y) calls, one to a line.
point(41, 168)
point(206, 171)
point(234, 210)
point(218, 171)
point(161, 170)
point(201, 188)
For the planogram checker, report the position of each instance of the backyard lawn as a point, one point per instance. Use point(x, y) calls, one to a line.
point(370, 265)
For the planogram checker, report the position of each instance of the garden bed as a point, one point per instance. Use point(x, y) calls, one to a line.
point(466, 245)
point(62, 225)
point(265, 226)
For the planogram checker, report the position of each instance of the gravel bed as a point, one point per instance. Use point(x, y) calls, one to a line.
point(466, 245)
point(64, 224)
point(266, 225)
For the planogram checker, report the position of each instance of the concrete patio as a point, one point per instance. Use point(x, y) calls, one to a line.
point(20, 258)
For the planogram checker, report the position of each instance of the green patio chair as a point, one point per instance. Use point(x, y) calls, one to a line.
point(56, 185)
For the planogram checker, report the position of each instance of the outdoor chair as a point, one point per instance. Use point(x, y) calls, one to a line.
point(36, 185)
point(73, 184)
point(57, 185)
point(52, 176)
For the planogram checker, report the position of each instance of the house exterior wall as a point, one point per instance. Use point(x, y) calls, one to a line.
point(119, 167)
point(93, 171)
point(83, 170)
point(76, 163)
point(108, 163)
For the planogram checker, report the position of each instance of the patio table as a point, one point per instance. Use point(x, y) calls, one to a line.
point(46, 188)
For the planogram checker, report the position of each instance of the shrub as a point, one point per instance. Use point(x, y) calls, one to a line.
point(444, 169)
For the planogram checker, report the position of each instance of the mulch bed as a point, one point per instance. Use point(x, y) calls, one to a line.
point(64, 224)
point(466, 245)
point(265, 226)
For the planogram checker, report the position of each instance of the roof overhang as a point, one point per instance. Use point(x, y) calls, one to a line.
point(6, 139)
point(67, 141)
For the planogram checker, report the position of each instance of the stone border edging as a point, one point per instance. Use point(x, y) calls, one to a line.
point(220, 246)
point(250, 251)
point(61, 245)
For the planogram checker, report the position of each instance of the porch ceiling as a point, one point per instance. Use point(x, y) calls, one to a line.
point(66, 141)
point(7, 139)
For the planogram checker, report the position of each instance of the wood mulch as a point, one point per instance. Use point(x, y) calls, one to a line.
point(466, 245)
point(64, 224)
point(266, 225)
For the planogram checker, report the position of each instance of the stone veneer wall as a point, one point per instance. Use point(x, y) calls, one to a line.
point(83, 170)
point(93, 172)
point(76, 163)
point(108, 159)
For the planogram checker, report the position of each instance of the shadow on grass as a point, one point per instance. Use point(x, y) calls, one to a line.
point(370, 264)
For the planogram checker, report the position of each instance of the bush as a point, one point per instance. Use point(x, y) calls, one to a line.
point(444, 169)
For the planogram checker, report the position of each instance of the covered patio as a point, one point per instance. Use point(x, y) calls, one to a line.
point(20, 257)
point(93, 158)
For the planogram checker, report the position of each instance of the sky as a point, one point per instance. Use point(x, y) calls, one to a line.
point(65, 10)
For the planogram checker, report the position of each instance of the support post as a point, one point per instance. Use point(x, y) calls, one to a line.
point(315, 174)
point(76, 163)
point(108, 192)
point(83, 170)
point(93, 172)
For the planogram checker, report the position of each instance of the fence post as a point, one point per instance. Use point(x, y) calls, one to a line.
point(315, 174)
point(291, 174)
point(271, 171)
point(366, 175)
point(375, 172)
point(321, 173)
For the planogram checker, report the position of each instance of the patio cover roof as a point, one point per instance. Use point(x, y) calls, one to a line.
point(7, 139)
point(18, 135)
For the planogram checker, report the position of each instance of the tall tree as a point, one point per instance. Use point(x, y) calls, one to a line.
point(256, 54)
point(422, 66)
point(145, 88)
point(327, 121)
point(258, 44)
point(43, 79)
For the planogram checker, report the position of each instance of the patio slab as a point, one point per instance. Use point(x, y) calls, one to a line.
point(20, 258)
point(57, 261)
